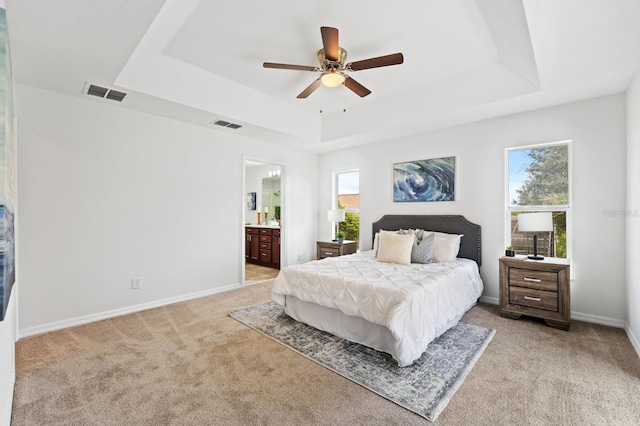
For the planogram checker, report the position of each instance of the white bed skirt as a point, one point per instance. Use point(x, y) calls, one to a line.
point(351, 328)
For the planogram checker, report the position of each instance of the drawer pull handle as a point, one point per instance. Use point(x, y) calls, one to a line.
point(535, 299)
point(533, 280)
point(328, 253)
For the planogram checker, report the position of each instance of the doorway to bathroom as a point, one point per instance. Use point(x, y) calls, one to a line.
point(262, 220)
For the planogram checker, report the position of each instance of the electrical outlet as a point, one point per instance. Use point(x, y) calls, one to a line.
point(136, 283)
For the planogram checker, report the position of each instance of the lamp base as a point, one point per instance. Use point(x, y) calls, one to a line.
point(534, 257)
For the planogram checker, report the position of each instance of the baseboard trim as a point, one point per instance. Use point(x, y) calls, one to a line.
point(72, 322)
point(632, 338)
point(595, 319)
point(490, 300)
point(578, 316)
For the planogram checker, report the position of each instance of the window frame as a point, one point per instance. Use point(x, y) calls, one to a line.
point(509, 208)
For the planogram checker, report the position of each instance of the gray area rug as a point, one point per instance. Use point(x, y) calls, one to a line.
point(424, 387)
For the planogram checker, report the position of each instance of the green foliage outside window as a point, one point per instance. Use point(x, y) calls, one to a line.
point(561, 241)
point(548, 180)
point(350, 226)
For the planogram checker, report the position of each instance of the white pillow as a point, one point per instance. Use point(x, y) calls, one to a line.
point(446, 247)
point(395, 248)
point(376, 239)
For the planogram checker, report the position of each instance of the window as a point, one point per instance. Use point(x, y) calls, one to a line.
point(538, 180)
point(347, 190)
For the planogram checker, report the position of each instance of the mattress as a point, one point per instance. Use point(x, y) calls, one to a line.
point(414, 303)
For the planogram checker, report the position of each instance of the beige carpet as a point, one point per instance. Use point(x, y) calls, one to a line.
point(191, 364)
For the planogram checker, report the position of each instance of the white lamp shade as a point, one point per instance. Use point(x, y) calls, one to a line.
point(535, 222)
point(336, 215)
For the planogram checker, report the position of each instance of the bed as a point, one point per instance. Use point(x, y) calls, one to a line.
point(394, 308)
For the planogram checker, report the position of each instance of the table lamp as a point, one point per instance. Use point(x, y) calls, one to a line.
point(336, 216)
point(535, 222)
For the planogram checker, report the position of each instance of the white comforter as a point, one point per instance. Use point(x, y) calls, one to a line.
point(417, 303)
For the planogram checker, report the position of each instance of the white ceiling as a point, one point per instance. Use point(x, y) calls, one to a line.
point(201, 60)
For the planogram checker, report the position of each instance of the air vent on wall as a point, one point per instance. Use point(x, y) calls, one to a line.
point(103, 92)
point(226, 124)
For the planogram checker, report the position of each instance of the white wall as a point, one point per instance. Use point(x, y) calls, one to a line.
point(108, 194)
point(7, 360)
point(633, 213)
point(597, 128)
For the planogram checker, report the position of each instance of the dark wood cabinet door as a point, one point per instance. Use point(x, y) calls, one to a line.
point(275, 250)
point(262, 246)
point(255, 248)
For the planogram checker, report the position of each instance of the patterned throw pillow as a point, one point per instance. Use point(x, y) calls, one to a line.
point(422, 250)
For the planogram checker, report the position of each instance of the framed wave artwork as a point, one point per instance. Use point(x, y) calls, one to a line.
point(7, 171)
point(425, 180)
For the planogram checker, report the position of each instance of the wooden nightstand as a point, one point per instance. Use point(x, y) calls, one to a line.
point(334, 248)
point(537, 288)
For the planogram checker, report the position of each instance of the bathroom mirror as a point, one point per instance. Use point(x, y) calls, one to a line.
point(271, 197)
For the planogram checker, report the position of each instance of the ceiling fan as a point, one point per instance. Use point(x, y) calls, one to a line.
point(332, 65)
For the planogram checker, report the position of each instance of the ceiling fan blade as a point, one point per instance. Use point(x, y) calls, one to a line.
point(330, 43)
point(356, 87)
point(309, 90)
point(289, 67)
point(380, 61)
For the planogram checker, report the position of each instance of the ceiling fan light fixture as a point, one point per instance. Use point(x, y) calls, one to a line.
point(335, 71)
point(332, 79)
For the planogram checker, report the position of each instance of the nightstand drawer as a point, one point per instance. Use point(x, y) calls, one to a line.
point(329, 251)
point(539, 299)
point(538, 280)
point(334, 248)
point(539, 289)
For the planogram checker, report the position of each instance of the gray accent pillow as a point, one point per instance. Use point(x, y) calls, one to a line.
point(417, 232)
point(422, 250)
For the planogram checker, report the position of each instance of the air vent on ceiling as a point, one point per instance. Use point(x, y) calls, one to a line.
point(226, 124)
point(103, 92)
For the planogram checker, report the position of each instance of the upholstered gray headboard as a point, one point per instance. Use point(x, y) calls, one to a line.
point(470, 243)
